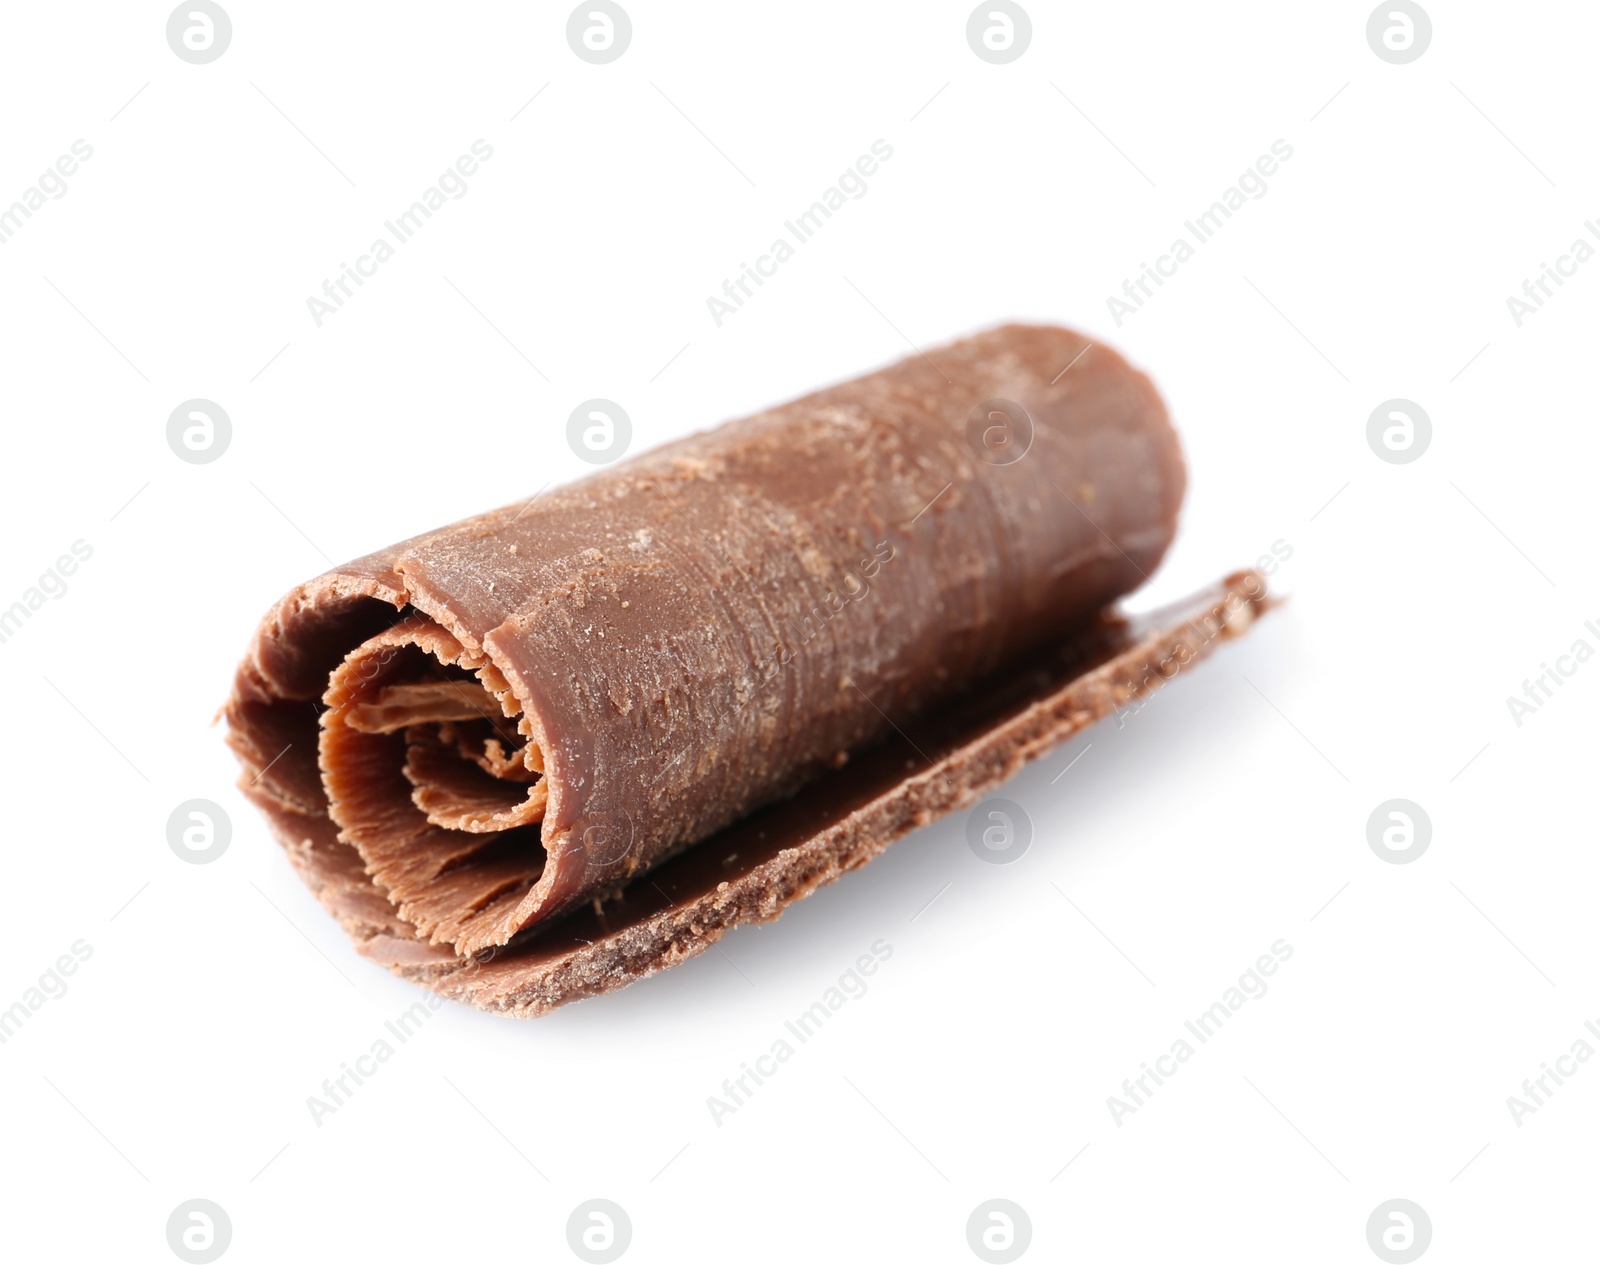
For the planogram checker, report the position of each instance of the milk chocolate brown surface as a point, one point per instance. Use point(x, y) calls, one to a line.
point(492, 742)
point(752, 871)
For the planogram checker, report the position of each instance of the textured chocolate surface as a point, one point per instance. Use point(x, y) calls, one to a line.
point(753, 870)
point(500, 721)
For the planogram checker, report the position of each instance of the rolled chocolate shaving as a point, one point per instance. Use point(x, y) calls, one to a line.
point(751, 872)
point(508, 719)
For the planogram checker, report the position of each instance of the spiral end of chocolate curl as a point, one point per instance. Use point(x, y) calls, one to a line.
point(433, 776)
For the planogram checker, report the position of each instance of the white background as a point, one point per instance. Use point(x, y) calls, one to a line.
point(1224, 816)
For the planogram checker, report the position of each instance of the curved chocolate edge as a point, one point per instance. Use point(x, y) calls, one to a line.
point(753, 870)
point(671, 626)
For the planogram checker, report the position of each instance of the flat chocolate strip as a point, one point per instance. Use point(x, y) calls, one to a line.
point(512, 717)
point(754, 869)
